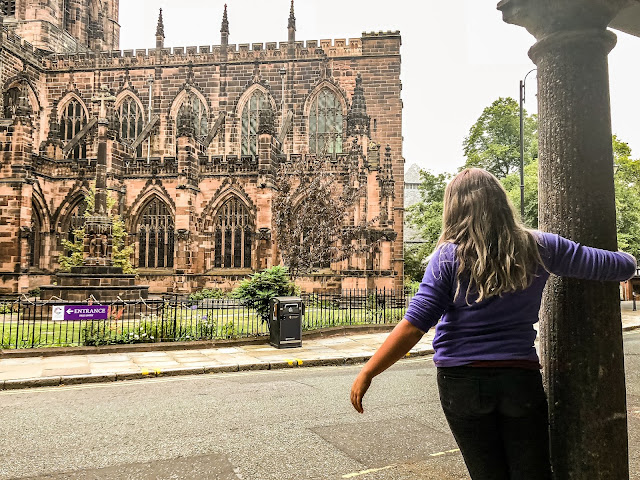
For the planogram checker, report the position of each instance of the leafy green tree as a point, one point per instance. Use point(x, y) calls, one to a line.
point(493, 142)
point(627, 185)
point(426, 215)
point(258, 290)
point(414, 261)
point(120, 253)
point(511, 184)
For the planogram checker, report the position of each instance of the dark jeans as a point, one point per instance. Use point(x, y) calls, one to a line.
point(499, 418)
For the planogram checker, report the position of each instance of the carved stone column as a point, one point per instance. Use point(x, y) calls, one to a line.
point(581, 335)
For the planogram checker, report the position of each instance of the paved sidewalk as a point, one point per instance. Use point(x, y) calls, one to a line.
point(39, 371)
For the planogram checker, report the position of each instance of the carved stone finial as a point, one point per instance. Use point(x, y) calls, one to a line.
point(160, 27)
point(358, 122)
point(186, 119)
point(266, 122)
point(225, 21)
point(292, 18)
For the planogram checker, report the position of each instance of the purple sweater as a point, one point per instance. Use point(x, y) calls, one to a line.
point(501, 328)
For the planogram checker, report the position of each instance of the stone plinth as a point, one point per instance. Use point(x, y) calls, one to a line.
point(104, 283)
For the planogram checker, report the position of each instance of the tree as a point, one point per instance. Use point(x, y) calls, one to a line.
point(314, 197)
point(511, 184)
point(627, 185)
point(493, 142)
point(426, 217)
point(120, 253)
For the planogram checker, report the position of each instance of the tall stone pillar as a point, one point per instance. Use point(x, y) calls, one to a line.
point(581, 337)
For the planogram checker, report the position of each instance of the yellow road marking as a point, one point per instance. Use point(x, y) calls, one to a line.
point(364, 472)
point(438, 454)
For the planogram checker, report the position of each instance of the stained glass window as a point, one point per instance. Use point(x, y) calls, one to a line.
point(155, 236)
point(232, 236)
point(129, 121)
point(250, 121)
point(73, 120)
point(8, 8)
point(200, 122)
point(325, 123)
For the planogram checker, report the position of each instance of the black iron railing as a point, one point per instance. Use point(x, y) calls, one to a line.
point(29, 323)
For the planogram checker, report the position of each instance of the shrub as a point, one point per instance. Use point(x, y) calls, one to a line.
point(200, 295)
point(258, 290)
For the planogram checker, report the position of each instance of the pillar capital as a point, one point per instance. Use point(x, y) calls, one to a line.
point(546, 17)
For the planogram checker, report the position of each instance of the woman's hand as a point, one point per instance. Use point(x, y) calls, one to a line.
point(358, 389)
point(401, 339)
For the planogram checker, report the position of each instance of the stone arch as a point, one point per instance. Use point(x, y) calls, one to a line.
point(145, 196)
point(21, 81)
point(229, 232)
point(187, 91)
point(154, 229)
point(251, 117)
point(129, 117)
point(72, 116)
point(313, 139)
point(220, 197)
point(40, 225)
point(70, 96)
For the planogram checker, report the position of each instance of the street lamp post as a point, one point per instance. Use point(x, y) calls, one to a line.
point(522, 99)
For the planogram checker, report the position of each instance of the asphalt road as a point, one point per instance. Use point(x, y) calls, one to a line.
point(287, 424)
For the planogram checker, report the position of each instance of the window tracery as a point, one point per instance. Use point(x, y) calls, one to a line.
point(155, 236)
point(72, 122)
point(233, 236)
point(195, 111)
point(325, 123)
point(258, 102)
point(8, 8)
point(129, 121)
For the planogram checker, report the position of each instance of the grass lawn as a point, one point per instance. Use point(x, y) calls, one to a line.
point(172, 323)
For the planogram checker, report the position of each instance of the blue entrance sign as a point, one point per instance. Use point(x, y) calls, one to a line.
point(80, 312)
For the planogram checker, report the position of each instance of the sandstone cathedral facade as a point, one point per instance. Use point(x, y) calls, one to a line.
point(196, 135)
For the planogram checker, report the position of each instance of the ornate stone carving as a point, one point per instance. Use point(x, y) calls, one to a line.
point(358, 122)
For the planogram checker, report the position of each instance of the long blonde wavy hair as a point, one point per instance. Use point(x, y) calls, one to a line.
point(494, 250)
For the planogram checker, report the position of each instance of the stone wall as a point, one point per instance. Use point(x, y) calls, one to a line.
point(189, 177)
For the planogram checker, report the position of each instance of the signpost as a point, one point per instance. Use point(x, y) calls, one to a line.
point(79, 312)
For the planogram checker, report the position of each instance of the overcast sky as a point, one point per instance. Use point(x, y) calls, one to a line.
point(458, 56)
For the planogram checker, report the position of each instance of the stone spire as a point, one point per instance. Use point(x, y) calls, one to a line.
point(160, 32)
point(291, 50)
point(224, 33)
point(358, 122)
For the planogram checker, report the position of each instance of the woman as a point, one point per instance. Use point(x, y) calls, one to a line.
point(485, 279)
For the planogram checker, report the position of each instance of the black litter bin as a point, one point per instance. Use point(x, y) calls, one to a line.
point(285, 322)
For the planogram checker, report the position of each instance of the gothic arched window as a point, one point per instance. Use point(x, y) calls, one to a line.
point(200, 122)
point(232, 235)
point(155, 236)
point(251, 120)
point(8, 8)
point(129, 121)
point(14, 98)
point(35, 239)
point(73, 120)
point(73, 221)
point(325, 123)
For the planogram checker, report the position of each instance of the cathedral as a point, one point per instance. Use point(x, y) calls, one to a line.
point(196, 136)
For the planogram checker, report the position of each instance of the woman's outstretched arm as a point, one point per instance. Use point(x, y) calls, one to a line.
point(401, 339)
